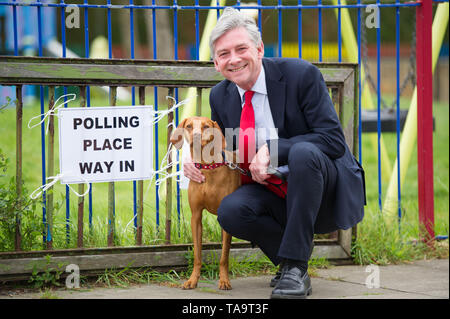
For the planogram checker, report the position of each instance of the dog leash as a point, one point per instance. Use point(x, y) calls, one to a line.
point(270, 169)
point(232, 165)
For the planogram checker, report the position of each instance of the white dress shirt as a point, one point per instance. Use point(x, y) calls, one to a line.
point(264, 126)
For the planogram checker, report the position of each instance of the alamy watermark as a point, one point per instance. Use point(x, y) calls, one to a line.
point(72, 16)
point(73, 280)
point(207, 143)
point(373, 279)
point(373, 16)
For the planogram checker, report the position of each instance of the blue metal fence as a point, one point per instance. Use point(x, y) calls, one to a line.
point(42, 7)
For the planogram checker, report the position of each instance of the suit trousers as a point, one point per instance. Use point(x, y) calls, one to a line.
point(284, 228)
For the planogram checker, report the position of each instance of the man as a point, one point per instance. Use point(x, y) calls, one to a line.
point(325, 184)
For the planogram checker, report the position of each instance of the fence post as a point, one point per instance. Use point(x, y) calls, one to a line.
point(169, 169)
point(81, 186)
point(19, 114)
point(424, 17)
point(50, 166)
point(198, 110)
point(111, 192)
point(140, 187)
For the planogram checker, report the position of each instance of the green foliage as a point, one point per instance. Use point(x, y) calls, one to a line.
point(382, 243)
point(48, 294)
point(144, 275)
point(8, 103)
point(244, 266)
point(49, 276)
point(13, 208)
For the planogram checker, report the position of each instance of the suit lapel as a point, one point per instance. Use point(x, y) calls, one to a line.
point(276, 92)
point(233, 100)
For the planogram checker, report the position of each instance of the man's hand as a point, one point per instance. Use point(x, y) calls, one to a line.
point(191, 172)
point(260, 163)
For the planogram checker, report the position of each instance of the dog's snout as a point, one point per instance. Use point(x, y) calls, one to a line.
point(197, 136)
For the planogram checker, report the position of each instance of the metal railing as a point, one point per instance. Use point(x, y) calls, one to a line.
point(302, 8)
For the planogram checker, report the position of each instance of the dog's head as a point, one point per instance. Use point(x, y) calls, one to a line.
point(203, 135)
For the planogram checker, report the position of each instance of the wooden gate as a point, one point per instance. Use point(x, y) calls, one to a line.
point(341, 79)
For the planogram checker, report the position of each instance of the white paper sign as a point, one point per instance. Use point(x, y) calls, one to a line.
point(103, 144)
point(186, 153)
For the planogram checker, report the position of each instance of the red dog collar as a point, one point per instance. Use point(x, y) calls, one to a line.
point(208, 166)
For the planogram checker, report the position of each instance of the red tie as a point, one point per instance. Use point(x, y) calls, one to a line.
point(247, 135)
point(247, 146)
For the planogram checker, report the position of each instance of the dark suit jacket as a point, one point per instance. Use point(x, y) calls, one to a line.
point(302, 111)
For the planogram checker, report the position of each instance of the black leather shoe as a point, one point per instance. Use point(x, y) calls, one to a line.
point(275, 279)
point(293, 284)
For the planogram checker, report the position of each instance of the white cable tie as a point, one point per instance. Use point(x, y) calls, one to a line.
point(171, 124)
point(128, 224)
point(161, 180)
point(51, 112)
point(153, 173)
point(162, 172)
point(161, 113)
point(44, 187)
point(85, 193)
point(54, 180)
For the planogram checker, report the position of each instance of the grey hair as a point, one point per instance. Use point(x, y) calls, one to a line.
point(232, 19)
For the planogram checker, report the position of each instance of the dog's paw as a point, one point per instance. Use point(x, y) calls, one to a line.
point(190, 284)
point(224, 285)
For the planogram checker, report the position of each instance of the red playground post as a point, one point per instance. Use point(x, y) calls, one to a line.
point(424, 17)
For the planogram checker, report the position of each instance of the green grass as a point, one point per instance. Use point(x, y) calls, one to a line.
point(377, 240)
point(409, 188)
point(244, 267)
point(248, 266)
point(383, 240)
point(96, 235)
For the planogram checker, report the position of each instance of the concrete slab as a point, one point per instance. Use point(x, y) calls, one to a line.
point(419, 280)
point(427, 278)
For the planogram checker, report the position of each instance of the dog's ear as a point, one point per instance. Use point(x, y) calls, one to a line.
point(177, 136)
point(216, 126)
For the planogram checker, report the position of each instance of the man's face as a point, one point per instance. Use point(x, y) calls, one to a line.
point(237, 58)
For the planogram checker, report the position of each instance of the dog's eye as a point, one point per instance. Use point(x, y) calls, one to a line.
point(189, 126)
point(205, 127)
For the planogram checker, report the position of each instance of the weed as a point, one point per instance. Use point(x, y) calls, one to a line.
point(127, 276)
point(17, 208)
point(48, 294)
point(46, 275)
point(318, 263)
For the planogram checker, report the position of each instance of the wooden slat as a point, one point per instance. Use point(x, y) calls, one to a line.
point(345, 240)
point(111, 250)
point(31, 70)
point(80, 226)
point(178, 258)
point(136, 258)
point(107, 72)
point(198, 109)
point(348, 112)
point(50, 166)
point(111, 191)
point(140, 187)
point(19, 117)
point(169, 169)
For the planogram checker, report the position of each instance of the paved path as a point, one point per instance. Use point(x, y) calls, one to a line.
point(426, 279)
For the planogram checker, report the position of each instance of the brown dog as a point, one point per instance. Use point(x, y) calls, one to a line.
point(206, 144)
